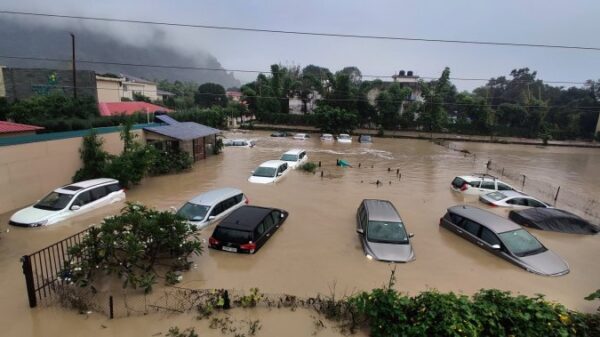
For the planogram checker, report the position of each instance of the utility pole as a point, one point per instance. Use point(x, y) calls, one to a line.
point(73, 65)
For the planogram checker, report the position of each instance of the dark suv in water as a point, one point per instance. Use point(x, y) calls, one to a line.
point(247, 229)
point(504, 238)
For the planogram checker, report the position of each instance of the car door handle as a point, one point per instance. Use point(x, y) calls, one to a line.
point(479, 243)
point(459, 231)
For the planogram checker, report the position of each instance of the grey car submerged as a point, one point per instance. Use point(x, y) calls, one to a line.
point(382, 232)
point(206, 208)
point(503, 238)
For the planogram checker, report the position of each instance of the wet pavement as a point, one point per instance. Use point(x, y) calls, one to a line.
point(317, 247)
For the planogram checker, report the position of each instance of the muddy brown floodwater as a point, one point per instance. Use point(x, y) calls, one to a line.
point(317, 246)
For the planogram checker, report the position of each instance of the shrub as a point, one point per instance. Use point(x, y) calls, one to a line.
point(93, 157)
point(309, 167)
point(168, 162)
point(131, 245)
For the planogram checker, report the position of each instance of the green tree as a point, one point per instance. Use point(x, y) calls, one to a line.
point(434, 116)
point(335, 120)
point(93, 157)
point(389, 104)
point(210, 94)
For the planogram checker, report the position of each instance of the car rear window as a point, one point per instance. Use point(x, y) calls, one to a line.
point(232, 235)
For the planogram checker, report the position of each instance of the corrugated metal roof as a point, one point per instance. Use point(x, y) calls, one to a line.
point(166, 119)
point(129, 108)
point(9, 127)
point(184, 131)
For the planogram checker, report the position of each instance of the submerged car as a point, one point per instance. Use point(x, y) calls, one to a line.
point(248, 143)
point(294, 158)
point(280, 134)
point(478, 184)
point(207, 208)
point(503, 238)
point(366, 139)
point(247, 229)
point(382, 232)
point(69, 201)
point(511, 199)
point(301, 136)
point(327, 137)
point(344, 138)
point(553, 219)
point(269, 172)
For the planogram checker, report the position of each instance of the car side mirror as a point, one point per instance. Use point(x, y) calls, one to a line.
point(212, 217)
point(278, 174)
point(173, 209)
point(410, 235)
point(282, 215)
point(496, 247)
point(360, 231)
point(75, 207)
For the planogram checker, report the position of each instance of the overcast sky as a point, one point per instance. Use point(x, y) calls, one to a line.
point(540, 22)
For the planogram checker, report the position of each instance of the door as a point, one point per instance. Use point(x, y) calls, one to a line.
point(487, 187)
point(517, 203)
point(470, 230)
point(198, 148)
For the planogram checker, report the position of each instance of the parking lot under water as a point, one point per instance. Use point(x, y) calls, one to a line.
point(317, 247)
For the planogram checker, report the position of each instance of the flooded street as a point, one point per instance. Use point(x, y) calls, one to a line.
point(317, 247)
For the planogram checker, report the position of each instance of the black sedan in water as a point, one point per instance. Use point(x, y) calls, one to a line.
point(247, 229)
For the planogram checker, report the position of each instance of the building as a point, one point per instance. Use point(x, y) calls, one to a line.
point(10, 129)
point(115, 88)
point(298, 107)
point(129, 108)
point(196, 139)
point(23, 83)
point(235, 96)
point(409, 80)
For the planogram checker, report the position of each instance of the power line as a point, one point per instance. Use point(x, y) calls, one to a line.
point(45, 59)
point(291, 32)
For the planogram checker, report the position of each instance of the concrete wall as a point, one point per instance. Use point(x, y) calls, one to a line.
point(29, 171)
point(21, 83)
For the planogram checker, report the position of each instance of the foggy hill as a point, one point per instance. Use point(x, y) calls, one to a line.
point(18, 38)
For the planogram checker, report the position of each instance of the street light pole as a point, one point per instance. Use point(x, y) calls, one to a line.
point(73, 65)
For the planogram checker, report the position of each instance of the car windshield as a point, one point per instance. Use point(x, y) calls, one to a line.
point(521, 243)
point(289, 157)
point(497, 196)
point(386, 232)
point(344, 137)
point(262, 171)
point(366, 138)
point(54, 201)
point(193, 212)
point(232, 235)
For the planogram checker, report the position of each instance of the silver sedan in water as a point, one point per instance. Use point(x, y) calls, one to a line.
point(382, 232)
point(504, 238)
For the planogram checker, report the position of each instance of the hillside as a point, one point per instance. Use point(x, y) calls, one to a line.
point(21, 39)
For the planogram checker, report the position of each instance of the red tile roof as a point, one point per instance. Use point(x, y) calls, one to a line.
point(9, 127)
point(129, 108)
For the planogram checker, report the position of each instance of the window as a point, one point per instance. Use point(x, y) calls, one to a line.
point(302, 154)
point(54, 201)
point(283, 167)
point(232, 235)
point(489, 237)
point(504, 187)
point(488, 185)
point(458, 182)
point(517, 201)
point(113, 188)
point(387, 232)
point(521, 243)
point(276, 217)
point(260, 230)
point(268, 222)
point(456, 219)
point(193, 212)
point(535, 203)
point(471, 227)
point(239, 198)
point(83, 198)
point(98, 193)
point(218, 209)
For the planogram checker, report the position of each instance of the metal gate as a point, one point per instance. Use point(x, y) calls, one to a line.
point(42, 267)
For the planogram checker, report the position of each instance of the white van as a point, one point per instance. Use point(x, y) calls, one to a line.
point(68, 201)
point(206, 208)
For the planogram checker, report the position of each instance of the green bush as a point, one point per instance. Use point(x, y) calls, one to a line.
point(165, 162)
point(132, 245)
point(309, 167)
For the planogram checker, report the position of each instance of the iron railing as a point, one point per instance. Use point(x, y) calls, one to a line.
point(42, 268)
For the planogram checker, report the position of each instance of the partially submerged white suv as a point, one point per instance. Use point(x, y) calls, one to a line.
point(294, 158)
point(68, 201)
point(479, 184)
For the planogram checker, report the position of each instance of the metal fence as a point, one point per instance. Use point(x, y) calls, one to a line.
point(41, 269)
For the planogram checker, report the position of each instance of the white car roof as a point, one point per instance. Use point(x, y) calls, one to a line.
point(273, 163)
point(215, 196)
point(301, 134)
point(80, 185)
point(344, 135)
point(327, 135)
point(294, 151)
point(487, 178)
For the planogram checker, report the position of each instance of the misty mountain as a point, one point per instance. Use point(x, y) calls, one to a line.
point(20, 38)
